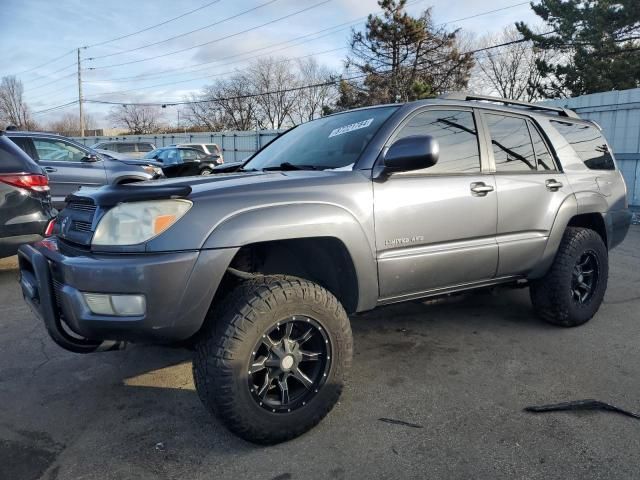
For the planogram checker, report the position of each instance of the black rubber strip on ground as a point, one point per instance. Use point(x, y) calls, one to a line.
point(588, 404)
point(400, 422)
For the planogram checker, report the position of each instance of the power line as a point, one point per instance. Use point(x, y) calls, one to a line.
point(115, 39)
point(57, 107)
point(181, 71)
point(192, 102)
point(186, 33)
point(151, 27)
point(45, 63)
point(486, 13)
point(49, 83)
point(360, 76)
point(214, 75)
point(215, 40)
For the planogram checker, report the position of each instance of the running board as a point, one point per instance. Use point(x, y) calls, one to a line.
point(447, 290)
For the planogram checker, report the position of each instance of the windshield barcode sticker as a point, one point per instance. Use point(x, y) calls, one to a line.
point(351, 128)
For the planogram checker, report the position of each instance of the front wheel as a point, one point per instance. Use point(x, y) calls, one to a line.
point(572, 291)
point(274, 360)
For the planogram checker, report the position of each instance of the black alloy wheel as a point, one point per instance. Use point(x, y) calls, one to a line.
point(584, 279)
point(289, 364)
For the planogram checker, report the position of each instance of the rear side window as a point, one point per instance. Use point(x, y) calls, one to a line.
point(213, 149)
point(588, 143)
point(544, 158)
point(126, 147)
point(145, 147)
point(511, 142)
point(13, 159)
point(457, 137)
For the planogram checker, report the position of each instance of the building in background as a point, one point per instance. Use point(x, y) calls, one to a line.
point(618, 113)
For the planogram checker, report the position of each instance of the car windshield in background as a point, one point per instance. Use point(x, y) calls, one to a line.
point(335, 141)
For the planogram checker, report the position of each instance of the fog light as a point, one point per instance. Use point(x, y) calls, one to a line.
point(116, 305)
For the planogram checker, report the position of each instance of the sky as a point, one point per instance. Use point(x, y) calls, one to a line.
point(35, 32)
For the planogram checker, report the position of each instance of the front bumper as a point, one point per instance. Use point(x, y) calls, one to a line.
point(178, 286)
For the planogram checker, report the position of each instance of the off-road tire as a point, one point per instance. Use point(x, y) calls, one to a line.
point(224, 351)
point(551, 296)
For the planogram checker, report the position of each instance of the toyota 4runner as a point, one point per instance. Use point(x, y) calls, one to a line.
point(259, 268)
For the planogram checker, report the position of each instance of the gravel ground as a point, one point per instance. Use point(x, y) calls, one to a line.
point(461, 369)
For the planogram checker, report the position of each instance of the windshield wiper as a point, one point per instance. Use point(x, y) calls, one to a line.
point(290, 166)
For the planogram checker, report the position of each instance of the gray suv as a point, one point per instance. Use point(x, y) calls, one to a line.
point(261, 266)
point(70, 165)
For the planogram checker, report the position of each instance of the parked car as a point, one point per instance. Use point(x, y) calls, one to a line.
point(184, 161)
point(208, 148)
point(25, 200)
point(340, 215)
point(70, 165)
point(129, 149)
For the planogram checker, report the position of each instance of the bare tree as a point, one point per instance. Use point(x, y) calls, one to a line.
point(204, 111)
point(13, 109)
point(312, 102)
point(235, 97)
point(509, 71)
point(137, 119)
point(277, 78)
point(69, 124)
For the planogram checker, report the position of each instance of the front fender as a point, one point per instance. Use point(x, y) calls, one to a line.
point(303, 220)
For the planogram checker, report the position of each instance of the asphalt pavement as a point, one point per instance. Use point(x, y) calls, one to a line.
point(457, 371)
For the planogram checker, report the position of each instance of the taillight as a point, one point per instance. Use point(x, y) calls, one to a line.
point(28, 181)
point(49, 230)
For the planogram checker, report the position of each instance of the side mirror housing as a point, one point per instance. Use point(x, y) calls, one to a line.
point(91, 157)
point(411, 153)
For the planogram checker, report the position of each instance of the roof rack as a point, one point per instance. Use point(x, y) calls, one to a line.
point(463, 96)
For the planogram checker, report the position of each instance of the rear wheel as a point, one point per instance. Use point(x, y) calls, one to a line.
point(206, 171)
point(572, 291)
point(273, 362)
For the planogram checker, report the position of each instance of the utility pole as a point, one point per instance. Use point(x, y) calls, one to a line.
point(80, 95)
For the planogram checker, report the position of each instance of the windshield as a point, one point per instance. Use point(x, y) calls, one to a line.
point(152, 154)
point(330, 142)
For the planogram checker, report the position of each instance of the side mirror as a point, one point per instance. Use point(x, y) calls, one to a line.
point(90, 158)
point(411, 153)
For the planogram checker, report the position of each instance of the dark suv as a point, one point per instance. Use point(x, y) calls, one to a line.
point(180, 161)
point(25, 201)
point(70, 165)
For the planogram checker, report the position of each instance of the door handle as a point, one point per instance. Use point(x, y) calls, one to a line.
point(480, 189)
point(553, 185)
point(50, 169)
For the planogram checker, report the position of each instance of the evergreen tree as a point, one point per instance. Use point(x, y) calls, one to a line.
point(597, 43)
point(403, 58)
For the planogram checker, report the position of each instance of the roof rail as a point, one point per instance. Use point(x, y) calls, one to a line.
point(464, 96)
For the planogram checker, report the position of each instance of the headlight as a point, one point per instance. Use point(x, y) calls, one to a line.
point(137, 222)
point(151, 170)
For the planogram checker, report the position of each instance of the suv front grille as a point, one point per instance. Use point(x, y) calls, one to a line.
point(82, 206)
point(76, 220)
point(81, 226)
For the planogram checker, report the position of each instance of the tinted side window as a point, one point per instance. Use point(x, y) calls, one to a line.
point(145, 147)
point(456, 134)
point(126, 147)
point(189, 154)
point(588, 143)
point(543, 156)
point(512, 148)
point(58, 151)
